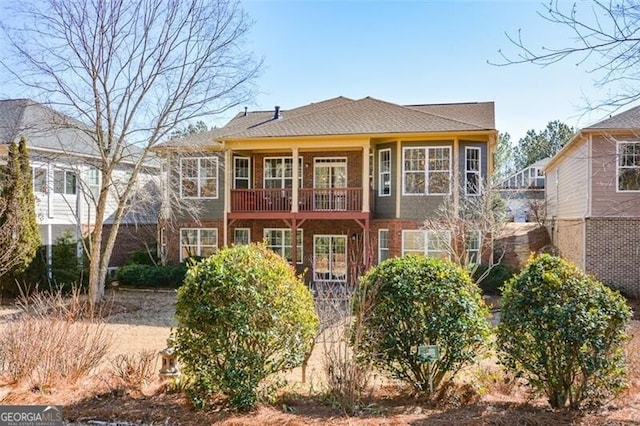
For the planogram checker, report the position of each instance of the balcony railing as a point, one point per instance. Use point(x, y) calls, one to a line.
point(309, 200)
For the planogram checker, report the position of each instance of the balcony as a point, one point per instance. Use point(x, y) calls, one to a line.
point(309, 200)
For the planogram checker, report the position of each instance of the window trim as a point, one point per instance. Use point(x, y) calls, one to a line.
point(426, 233)
point(235, 177)
point(478, 172)
point(468, 250)
point(330, 260)
point(381, 173)
point(65, 172)
point(331, 162)
point(199, 178)
point(198, 240)
point(380, 248)
point(282, 179)
point(426, 149)
point(90, 170)
point(235, 238)
point(40, 168)
point(618, 158)
point(300, 258)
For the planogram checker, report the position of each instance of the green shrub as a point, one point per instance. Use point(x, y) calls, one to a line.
point(243, 314)
point(144, 256)
point(67, 270)
point(495, 279)
point(563, 332)
point(151, 276)
point(415, 300)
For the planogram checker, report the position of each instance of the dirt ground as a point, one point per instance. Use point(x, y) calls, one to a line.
point(142, 320)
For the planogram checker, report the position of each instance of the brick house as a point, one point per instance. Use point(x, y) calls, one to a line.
point(593, 200)
point(332, 186)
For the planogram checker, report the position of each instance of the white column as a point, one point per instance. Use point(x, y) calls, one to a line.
point(366, 187)
point(295, 187)
point(228, 178)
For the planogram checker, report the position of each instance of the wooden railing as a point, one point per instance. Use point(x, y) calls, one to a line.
point(309, 199)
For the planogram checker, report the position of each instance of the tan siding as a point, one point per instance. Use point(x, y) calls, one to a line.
point(568, 237)
point(567, 184)
point(606, 200)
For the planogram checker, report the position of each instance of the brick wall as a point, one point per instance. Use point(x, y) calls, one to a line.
point(613, 252)
point(518, 241)
point(568, 237)
point(131, 238)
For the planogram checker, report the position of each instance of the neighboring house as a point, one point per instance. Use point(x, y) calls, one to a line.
point(66, 180)
point(333, 186)
point(523, 193)
point(593, 200)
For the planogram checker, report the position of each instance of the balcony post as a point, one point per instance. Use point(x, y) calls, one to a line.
point(365, 177)
point(295, 187)
point(228, 177)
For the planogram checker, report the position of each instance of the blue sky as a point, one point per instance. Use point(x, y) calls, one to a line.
point(411, 52)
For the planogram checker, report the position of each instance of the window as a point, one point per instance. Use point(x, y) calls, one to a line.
point(93, 178)
point(241, 172)
point(39, 179)
point(198, 242)
point(430, 243)
point(427, 171)
point(278, 172)
point(64, 182)
point(199, 177)
point(279, 240)
point(384, 169)
point(330, 258)
point(383, 245)
point(371, 169)
point(472, 171)
point(628, 166)
point(241, 236)
point(474, 245)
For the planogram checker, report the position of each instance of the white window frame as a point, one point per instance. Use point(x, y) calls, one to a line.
point(235, 169)
point(283, 178)
point(381, 248)
point(66, 174)
point(333, 274)
point(619, 157)
point(471, 251)
point(281, 250)
point(331, 162)
point(199, 178)
point(198, 243)
point(468, 171)
point(93, 173)
point(426, 169)
point(246, 231)
point(43, 168)
point(427, 236)
point(384, 174)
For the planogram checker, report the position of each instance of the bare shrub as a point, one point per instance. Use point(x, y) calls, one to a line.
point(134, 370)
point(55, 339)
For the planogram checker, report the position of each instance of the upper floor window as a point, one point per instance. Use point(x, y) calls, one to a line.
point(426, 171)
point(198, 242)
point(628, 166)
point(199, 177)
point(39, 179)
point(472, 171)
point(278, 172)
point(64, 182)
point(241, 172)
point(384, 169)
point(428, 242)
point(93, 177)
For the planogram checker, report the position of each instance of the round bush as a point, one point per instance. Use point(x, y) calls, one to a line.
point(243, 314)
point(563, 332)
point(415, 300)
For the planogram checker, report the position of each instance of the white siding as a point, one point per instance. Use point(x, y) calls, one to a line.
point(567, 184)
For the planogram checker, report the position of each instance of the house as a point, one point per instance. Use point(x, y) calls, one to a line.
point(66, 179)
point(333, 186)
point(523, 193)
point(593, 200)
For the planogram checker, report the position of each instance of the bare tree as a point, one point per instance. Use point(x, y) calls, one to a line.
point(605, 40)
point(468, 227)
point(131, 72)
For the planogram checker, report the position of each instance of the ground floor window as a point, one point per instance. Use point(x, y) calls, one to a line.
point(241, 236)
point(279, 240)
point(330, 258)
point(383, 245)
point(428, 242)
point(198, 242)
point(474, 244)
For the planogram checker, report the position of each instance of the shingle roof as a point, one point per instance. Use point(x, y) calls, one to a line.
point(629, 119)
point(344, 116)
point(47, 129)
